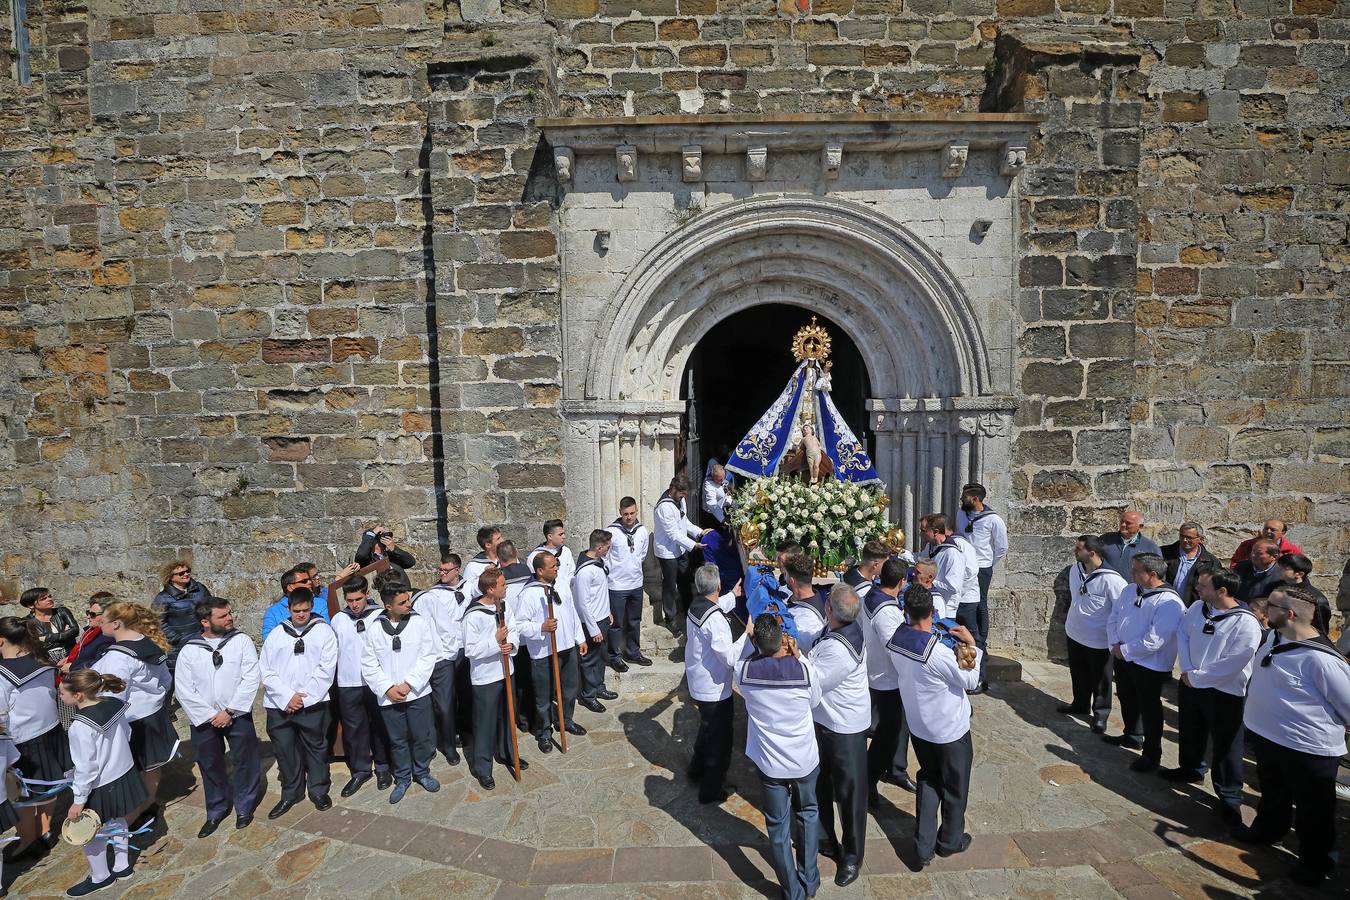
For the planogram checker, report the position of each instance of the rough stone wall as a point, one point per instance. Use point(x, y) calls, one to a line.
point(214, 249)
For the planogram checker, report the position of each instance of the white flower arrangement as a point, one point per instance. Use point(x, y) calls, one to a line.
point(833, 519)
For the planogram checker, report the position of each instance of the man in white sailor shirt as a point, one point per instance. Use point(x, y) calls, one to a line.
point(401, 650)
point(710, 656)
point(676, 538)
point(949, 587)
point(628, 551)
point(365, 743)
point(535, 625)
point(1094, 588)
point(881, 613)
point(1142, 630)
point(215, 681)
point(968, 610)
point(1216, 646)
point(1298, 708)
point(989, 533)
point(299, 661)
point(934, 686)
point(488, 537)
point(489, 644)
point(780, 688)
point(805, 603)
point(842, 718)
point(443, 606)
point(555, 542)
point(590, 596)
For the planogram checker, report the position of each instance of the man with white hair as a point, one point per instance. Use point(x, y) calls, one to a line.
point(716, 493)
point(842, 718)
point(710, 656)
point(1120, 547)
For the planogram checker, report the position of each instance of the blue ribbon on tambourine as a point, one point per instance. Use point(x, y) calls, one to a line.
point(941, 628)
point(761, 596)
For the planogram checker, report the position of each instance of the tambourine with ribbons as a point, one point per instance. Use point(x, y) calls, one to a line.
point(81, 829)
point(965, 654)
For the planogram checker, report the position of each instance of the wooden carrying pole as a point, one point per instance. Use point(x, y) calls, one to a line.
point(510, 703)
point(557, 677)
point(335, 589)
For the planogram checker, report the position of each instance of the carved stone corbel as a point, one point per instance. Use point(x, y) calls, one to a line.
point(691, 159)
point(832, 157)
point(954, 157)
point(1014, 158)
point(756, 163)
point(626, 155)
point(564, 164)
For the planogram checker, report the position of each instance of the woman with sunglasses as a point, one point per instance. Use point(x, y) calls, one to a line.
point(93, 642)
point(177, 602)
point(56, 625)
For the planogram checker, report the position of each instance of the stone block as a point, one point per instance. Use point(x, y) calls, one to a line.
point(1053, 379)
point(1274, 444)
point(530, 477)
point(295, 351)
point(1201, 443)
point(1038, 271)
point(1109, 339)
point(1103, 448)
point(1059, 485)
point(1043, 448)
point(492, 341)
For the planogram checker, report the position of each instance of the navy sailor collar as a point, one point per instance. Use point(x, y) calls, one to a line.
point(617, 523)
point(289, 627)
point(912, 644)
point(815, 602)
point(701, 609)
point(102, 716)
point(876, 598)
point(851, 636)
point(775, 672)
point(22, 669)
point(143, 649)
point(225, 638)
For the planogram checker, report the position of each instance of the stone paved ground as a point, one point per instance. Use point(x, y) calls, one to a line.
point(1055, 813)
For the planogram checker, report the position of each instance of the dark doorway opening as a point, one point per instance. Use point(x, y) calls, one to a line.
point(739, 368)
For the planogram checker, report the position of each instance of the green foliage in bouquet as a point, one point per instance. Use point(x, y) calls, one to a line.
point(832, 520)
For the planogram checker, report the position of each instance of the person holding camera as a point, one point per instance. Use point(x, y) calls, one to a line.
point(378, 543)
point(56, 625)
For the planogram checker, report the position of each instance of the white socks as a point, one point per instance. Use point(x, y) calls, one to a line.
point(96, 851)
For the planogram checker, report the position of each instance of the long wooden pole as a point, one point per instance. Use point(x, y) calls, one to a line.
point(510, 702)
point(335, 589)
point(557, 677)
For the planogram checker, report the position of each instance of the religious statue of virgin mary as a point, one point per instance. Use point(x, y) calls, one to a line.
point(802, 433)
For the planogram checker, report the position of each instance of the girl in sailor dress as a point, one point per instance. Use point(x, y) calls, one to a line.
point(138, 657)
point(105, 779)
point(28, 716)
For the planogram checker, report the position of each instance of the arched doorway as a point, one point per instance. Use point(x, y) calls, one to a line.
point(938, 413)
point(737, 370)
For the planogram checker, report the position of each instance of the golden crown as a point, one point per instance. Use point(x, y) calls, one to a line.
point(811, 342)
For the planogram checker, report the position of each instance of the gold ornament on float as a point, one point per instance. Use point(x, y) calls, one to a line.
point(811, 342)
point(894, 539)
point(750, 535)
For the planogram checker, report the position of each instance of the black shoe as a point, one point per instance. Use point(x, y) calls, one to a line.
point(354, 785)
point(594, 706)
point(1231, 814)
point(1249, 835)
point(574, 728)
point(486, 782)
point(33, 850)
point(977, 689)
point(1069, 709)
point(125, 873)
point(383, 780)
point(873, 799)
point(506, 762)
point(960, 848)
point(830, 851)
point(242, 822)
point(281, 809)
point(606, 694)
point(1123, 740)
point(717, 796)
point(920, 864)
point(90, 886)
point(545, 743)
point(847, 874)
point(618, 665)
point(902, 781)
point(693, 774)
point(1144, 764)
point(452, 756)
point(209, 827)
point(322, 803)
point(1181, 776)
point(522, 723)
point(1099, 728)
point(639, 660)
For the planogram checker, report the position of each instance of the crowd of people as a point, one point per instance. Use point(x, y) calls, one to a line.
point(838, 684)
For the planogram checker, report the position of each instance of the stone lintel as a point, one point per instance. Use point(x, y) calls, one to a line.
point(588, 409)
point(739, 134)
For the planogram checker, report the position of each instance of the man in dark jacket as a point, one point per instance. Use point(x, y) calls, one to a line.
point(1294, 569)
point(1186, 557)
point(378, 543)
point(1119, 548)
point(1259, 574)
point(177, 602)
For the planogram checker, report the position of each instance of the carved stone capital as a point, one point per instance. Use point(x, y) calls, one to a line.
point(954, 157)
point(756, 163)
point(994, 424)
point(832, 157)
point(626, 156)
point(564, 164)
point(1014, 158)
point(691, 162)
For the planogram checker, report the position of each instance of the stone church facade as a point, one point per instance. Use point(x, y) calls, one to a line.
point(271, 273)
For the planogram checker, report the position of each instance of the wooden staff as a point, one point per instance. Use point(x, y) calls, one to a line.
point(335, 589)
point(510, 702)
point(557, 677)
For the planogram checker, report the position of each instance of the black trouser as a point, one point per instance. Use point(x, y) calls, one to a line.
point(712, 747)
point(986, 576)
point(944, 781)
point(300, 742)
point(843, 777)
point(245, 790)
point(443, 704)
point(1305, 782)
point(364, 739)
point(1140, 690)
point(523, 686)
point(1090, 672)
point(541, 673)
point(889, 751)
point(968, 614)
point(676, 589)
point(1209, 714)
point(626, 608)
point(491, 728)
point(593, 663)
point(412, 737)
point(463, 699)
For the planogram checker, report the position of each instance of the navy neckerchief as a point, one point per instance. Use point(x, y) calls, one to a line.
point(1141, 596)
point(143, 649)
point(775, 672)
point(217, 660)
point(103, 715)
point(1319, 643)
point(972, 519)
point(290, 627)
point(851, 636)
point(588, 560)
point(395, 631)
point(912, 644)
point(628, 531)
point(550, 591)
